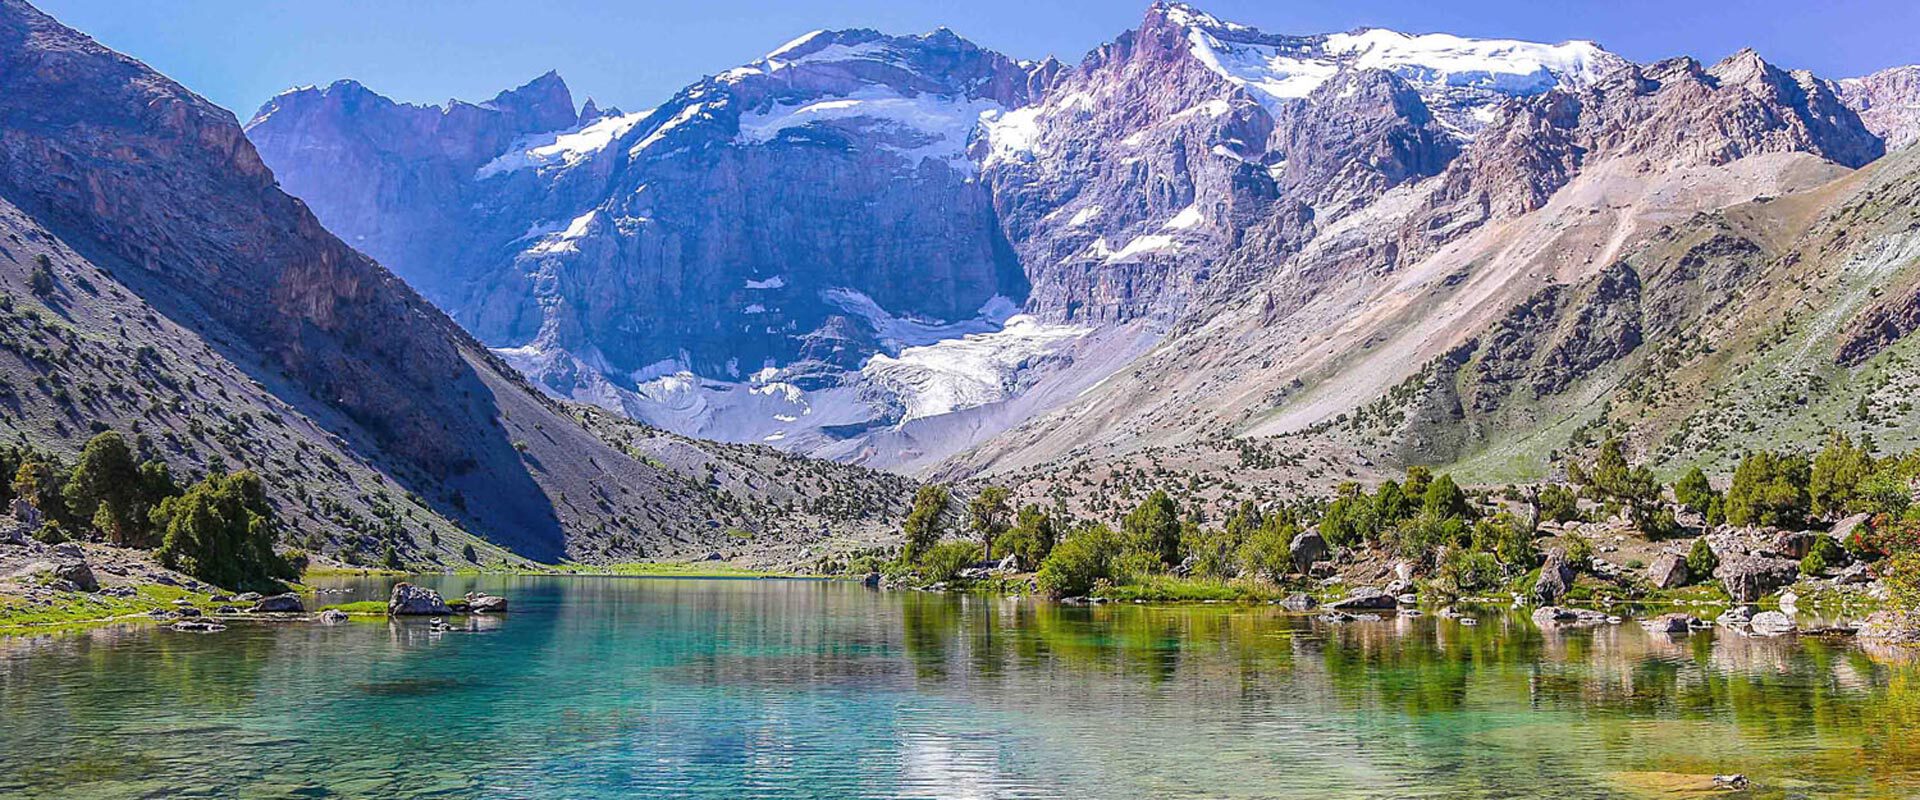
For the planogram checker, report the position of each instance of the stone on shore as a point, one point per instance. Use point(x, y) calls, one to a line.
point(1307, 548)
point(1365, 599)
point(1556, 577)
point(1749, 578)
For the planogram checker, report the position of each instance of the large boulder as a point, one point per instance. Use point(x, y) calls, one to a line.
point(1670, 623)
point(1556, 577)
point(1668, 571)
point(416, 601)
point(1845, 528)
point(1749, 578)
point(1794, 544)
point(288, 603)
point(1307, 548)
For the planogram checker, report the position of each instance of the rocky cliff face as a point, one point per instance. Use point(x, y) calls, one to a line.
point(1888, 102)
point(157, 223)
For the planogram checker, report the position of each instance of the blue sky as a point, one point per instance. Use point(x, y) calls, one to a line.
point(634, 54)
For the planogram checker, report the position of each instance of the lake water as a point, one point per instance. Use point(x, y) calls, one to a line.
point(626, 687)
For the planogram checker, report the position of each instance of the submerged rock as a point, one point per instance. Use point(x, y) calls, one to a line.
point(416, 601)
point(198, 626)
point(1670, 623)
point(333, 616)
point(1298, 602)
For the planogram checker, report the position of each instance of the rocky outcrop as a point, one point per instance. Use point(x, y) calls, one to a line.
point(1888, 103)
point(409, 600)
point(1365, 599)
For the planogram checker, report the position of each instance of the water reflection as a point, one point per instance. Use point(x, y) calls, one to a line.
point(607, 687)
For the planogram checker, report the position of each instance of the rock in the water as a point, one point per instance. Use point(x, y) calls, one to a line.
point(333, 616)
point(1670, 623)
point(78, 574)
point(416, 601)
point(1668, 571)
point(1772, 623)
point(1749, 578)
point(1556, 577)
point(1735, 617)
point(1365, 598)
point(1306, 549)
point(247, 597)
point(1297, 602)
point(481, 603)
point(288, 603)
point(872, 581)
point(198, 626)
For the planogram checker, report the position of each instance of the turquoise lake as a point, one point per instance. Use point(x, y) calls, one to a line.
point(649, 687)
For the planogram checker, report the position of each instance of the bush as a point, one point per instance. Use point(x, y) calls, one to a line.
point(1464, 571)
point(943, 561)
point(1825, 553)
point(1701, 562)
point(1834, 479)
point(1269, 550)
point(1579, 551)
point(1695, 492)
point(1078, 562)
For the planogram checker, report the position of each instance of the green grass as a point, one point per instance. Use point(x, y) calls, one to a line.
point(18, 615)
point(366, 608)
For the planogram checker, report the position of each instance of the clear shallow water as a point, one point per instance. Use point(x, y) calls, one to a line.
point(623, 687)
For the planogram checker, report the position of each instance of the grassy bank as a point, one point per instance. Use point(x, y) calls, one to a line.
point(73, 609)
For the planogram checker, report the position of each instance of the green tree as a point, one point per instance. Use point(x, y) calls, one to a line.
point(987, 515)
point(1694, 491)
point(1768, 489)
point(1444, 499)
point(924, 521)
point(1835, 477)
point(39, 482)
point(1348, 520)
point(1390, 504)
point(1031, 538)
point(1558, 503)
point(943, 562)
point(222, 531)
point(107, 488)
point(1153, 528)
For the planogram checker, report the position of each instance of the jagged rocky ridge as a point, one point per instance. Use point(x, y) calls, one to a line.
point(158, 282)
point(1211, 232)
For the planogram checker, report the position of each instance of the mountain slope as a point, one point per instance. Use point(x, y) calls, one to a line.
point(174, 255)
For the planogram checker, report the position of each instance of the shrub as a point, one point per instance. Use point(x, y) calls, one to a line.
point(1835, 476)
point(1825, 553)
point(1079, 561)
point(1694, 491)
point(1269, 550)
point(943, 561)
point(1444, 499)
point(1465, 571)
point(1579, 551)
point(1701, 562)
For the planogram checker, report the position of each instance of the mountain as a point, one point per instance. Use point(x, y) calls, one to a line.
point(157, 281)
point(1204, 246)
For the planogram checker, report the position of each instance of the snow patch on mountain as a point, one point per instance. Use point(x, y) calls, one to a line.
point(918, 127)
point(899, 332)
point(1502, 65)
point(974, 370)
point(562, 148)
